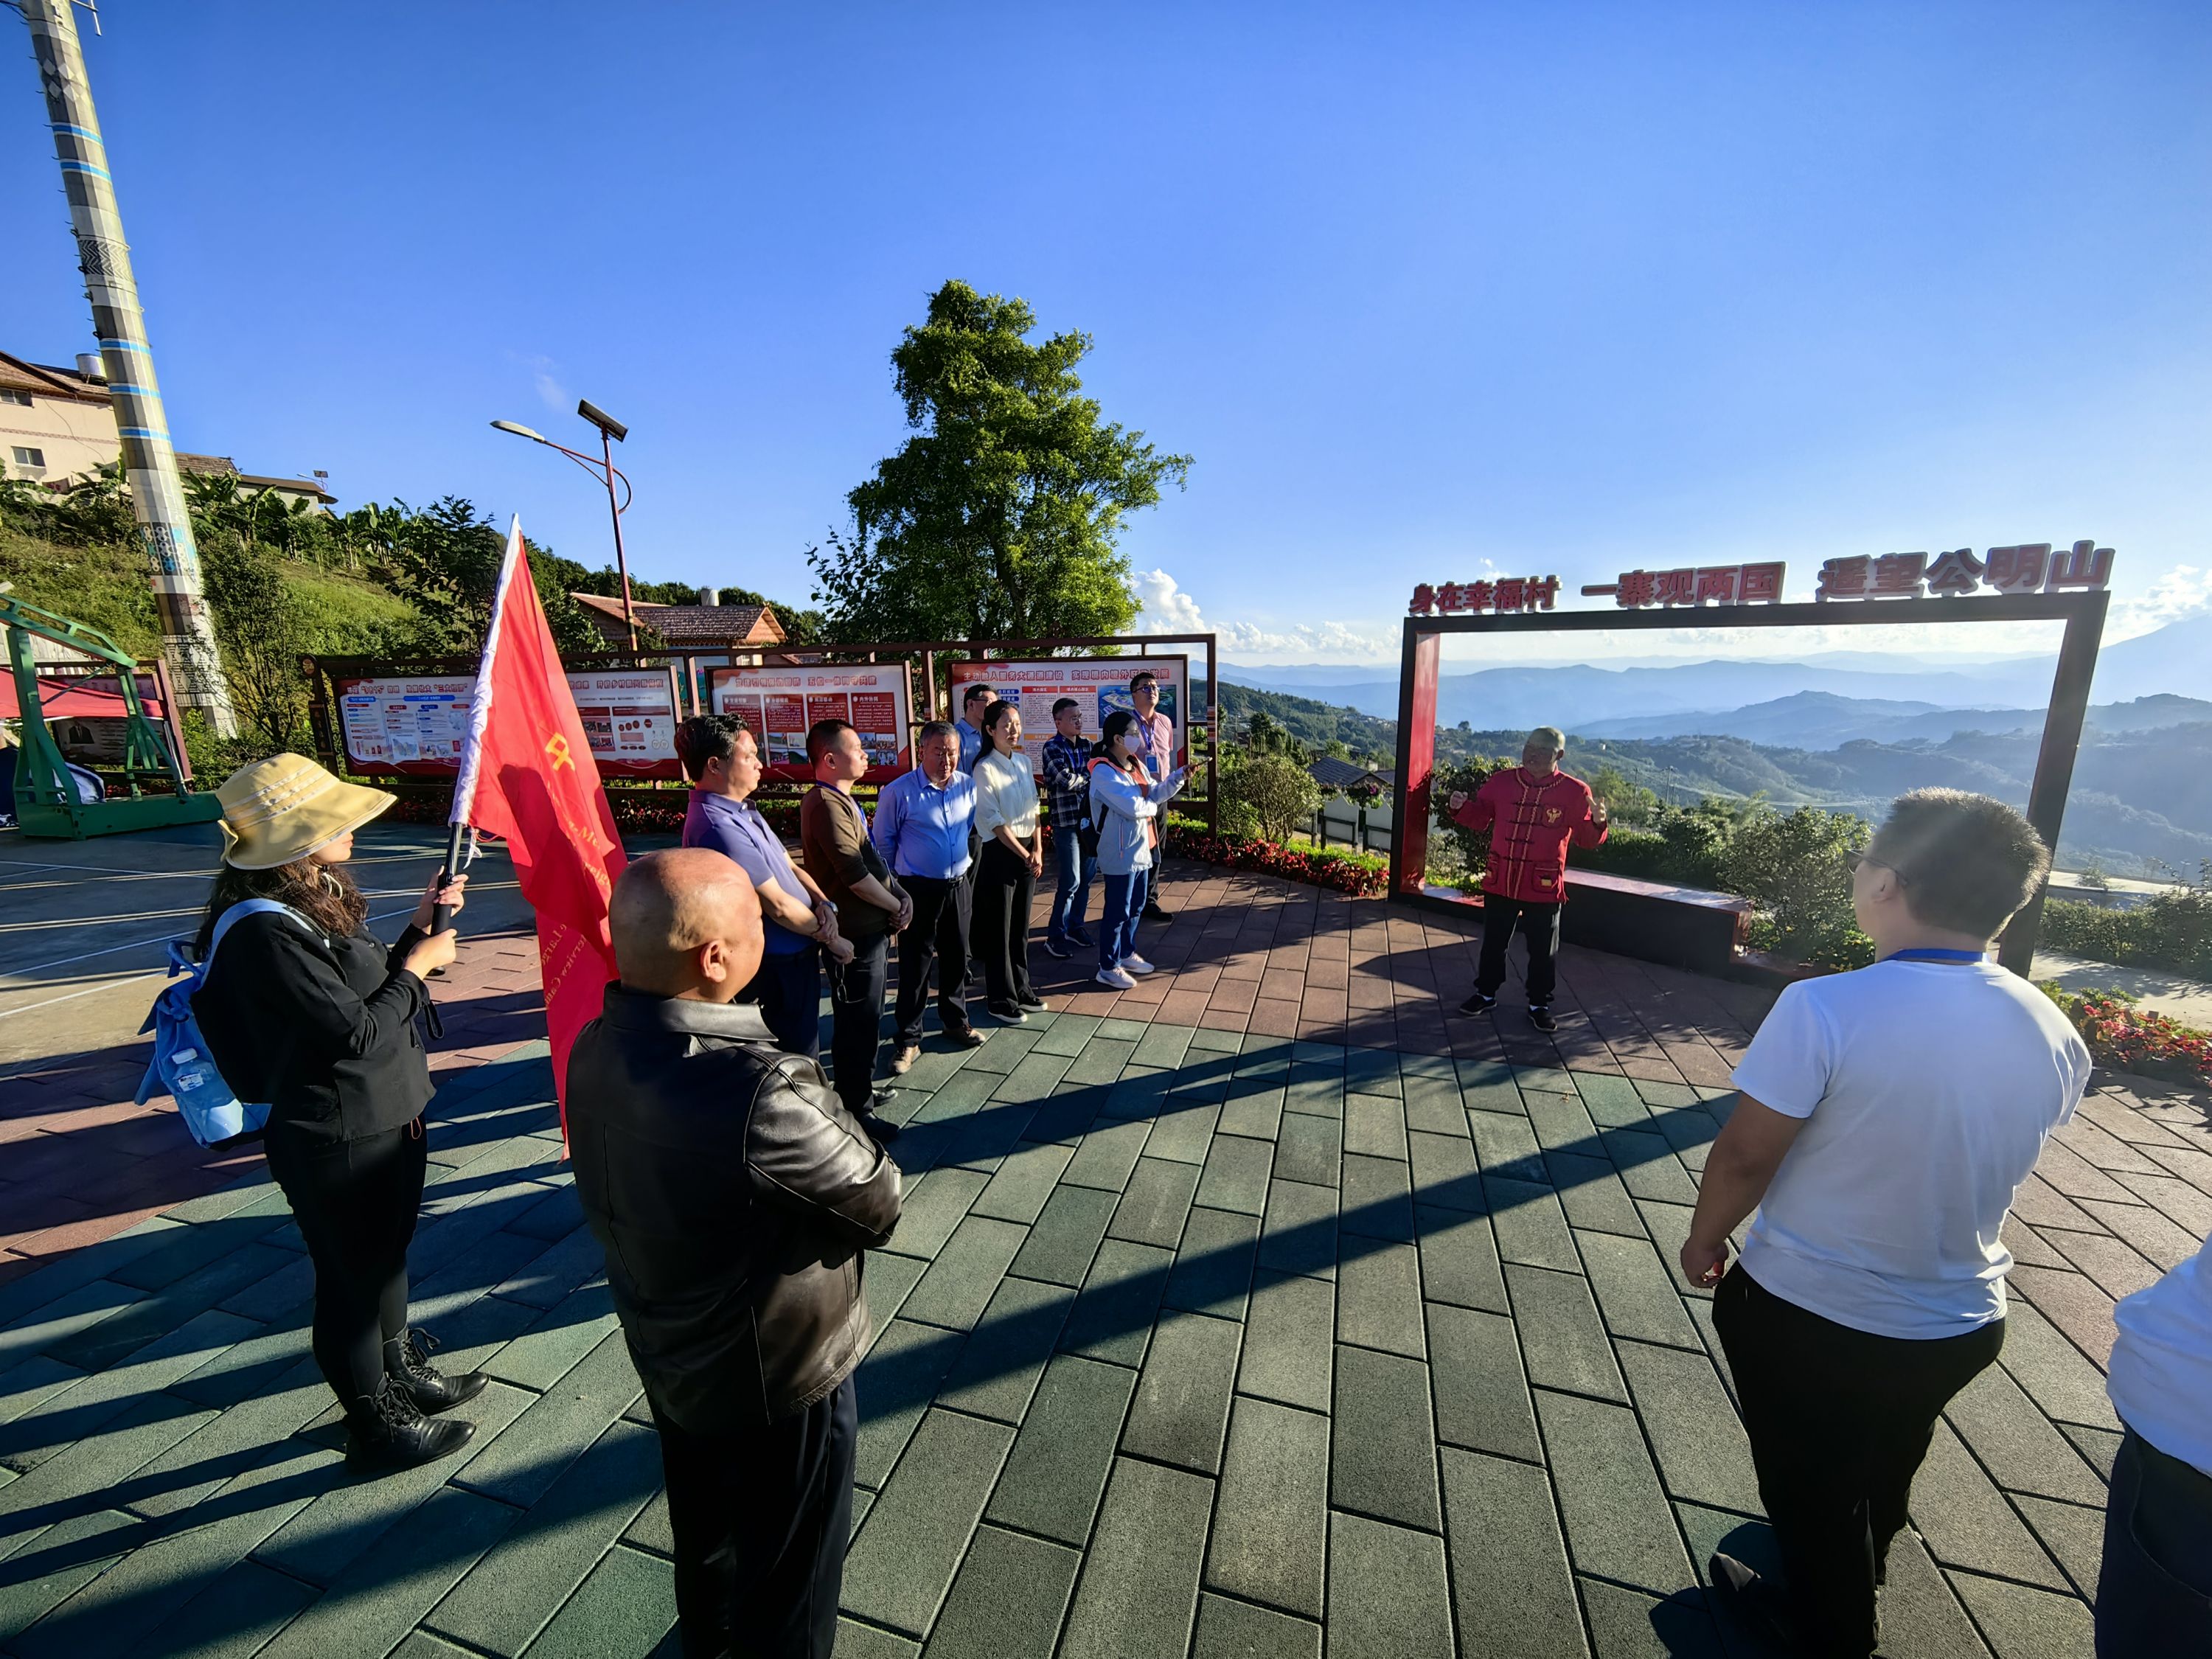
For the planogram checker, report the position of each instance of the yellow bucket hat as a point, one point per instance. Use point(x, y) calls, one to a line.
point(283, 808)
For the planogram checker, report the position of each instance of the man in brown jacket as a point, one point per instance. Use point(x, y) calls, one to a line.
point(871, 905)
point(734, 1197)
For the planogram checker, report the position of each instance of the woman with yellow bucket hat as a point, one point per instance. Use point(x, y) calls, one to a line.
point(304, 1009)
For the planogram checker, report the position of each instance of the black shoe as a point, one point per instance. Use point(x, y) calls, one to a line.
point(1029, 1002)
point(967, 1037)
point(1006, 1013)
point(428, 1390)
point(1759, 1607)
point(881, 1129)
point(1479, 1003)
point(1539, 1015)
point(1077, 936)
point(1054, 948)
point(1153, 913)
point(385, 1432)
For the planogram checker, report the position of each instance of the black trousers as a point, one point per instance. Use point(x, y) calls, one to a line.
point(789, 987)
point(761, 1519)
point(2154, 1593)
point(939, 928)
point(356, 1202)
point(1539, 925)
point(856, 1015)
point(1005, 889)
point(1840, 1421)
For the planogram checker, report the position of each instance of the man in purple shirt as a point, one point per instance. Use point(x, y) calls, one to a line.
point(724, 764)
point(1153, 741)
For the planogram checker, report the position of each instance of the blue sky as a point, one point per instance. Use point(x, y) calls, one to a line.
point(1569, 289)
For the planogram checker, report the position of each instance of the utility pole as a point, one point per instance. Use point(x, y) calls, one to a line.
point(157, 495)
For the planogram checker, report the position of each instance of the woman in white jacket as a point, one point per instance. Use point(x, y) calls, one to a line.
point(1124, 801)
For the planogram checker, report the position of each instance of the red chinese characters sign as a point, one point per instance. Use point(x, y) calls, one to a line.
point(2031, 568)
point(1506, 593)
point(1722, 584)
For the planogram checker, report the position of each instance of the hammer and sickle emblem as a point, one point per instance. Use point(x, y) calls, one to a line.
point(1551, 813)
point(557, 746)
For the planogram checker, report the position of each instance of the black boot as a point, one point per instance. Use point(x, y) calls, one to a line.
point(385, 1432)
point(428, 1390)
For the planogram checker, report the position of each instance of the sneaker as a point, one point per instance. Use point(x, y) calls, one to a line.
point(966, 1037)
point(1077, 936)
point(1006, 1013)
point(1117, 978)
point(1032, 1002)
point(1135, 964)
point(904, 1056)
point(1758, 1606)
point(1481, 1003)
point(1153, 913)
point(1539, 1015)
point(1058, 948)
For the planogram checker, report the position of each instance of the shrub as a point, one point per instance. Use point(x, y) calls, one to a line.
point(2172, 933)
point(1793, 867)
point(1271, 792)
point(2129, 1038)
point(1362, 875)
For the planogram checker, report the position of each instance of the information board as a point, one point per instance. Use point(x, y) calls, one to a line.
point(414, 725)
point(1100, 684)
point(777, 705)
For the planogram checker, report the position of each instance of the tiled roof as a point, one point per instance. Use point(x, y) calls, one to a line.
point(1330, 773)
point(40, 379)
point(688, 625)
point(220, 467)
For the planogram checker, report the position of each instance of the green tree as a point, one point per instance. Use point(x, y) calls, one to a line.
point(1278, 794)
point(1796, 868)
point(258, 627)
point(998, 518)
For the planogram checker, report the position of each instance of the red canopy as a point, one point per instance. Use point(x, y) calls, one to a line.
point(79, 699)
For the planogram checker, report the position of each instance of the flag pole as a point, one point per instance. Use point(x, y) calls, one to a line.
point(464, 786)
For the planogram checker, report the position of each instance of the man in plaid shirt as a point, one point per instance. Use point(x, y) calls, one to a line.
point(1067, 779)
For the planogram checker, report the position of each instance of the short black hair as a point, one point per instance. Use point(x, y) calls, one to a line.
point(936, 729)
point(1968, 861)
point(978, 689)
point(822, 736)
point(1060, 705)
point(704, 738)
point(1141, 677)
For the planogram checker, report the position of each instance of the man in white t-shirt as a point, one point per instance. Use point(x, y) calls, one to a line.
point(1883, 1120)
point(2154, 1593)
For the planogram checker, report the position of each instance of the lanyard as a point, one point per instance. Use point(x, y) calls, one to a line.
point(1932, 954)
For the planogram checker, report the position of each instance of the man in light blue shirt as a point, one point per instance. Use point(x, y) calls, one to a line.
point(970, 725)
point(924, 820)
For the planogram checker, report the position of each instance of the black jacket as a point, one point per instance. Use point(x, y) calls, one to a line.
point(321, 1029)
point(733, 1195)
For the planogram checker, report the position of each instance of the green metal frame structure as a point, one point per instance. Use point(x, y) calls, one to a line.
point(47, 803)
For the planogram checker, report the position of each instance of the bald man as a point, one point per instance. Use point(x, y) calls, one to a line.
point(733, 1195)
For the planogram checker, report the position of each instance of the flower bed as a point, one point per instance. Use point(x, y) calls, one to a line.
point(1362, 875)
point(2129, 1038)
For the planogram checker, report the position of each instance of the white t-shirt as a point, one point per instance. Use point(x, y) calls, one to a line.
point(2161, 1377)
point(1927, 1089)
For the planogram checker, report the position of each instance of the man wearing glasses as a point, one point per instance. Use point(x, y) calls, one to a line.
point(1153, 742)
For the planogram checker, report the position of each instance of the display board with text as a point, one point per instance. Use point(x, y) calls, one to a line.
point(778, 705)
point(412, 725)
point(1099, 685)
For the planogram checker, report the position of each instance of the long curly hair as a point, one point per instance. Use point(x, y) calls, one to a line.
point(324, 893)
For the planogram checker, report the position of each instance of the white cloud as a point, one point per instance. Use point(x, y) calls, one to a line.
point(2181, 591)
point(1167, 608)
point(545, 380)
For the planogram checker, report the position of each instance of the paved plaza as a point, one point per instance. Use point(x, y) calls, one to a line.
point(1267, 1310)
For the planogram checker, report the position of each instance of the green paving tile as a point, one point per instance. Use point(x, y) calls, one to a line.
point(1163, 1045)
point(894, 1386)
point(653, 1531)
point(1299, 1234)
point(1649, 1168)
point(73, 1413)
point(1562, 1338)
point(1375, 1126)
point(959, 1283)
point(234, 1617)
point(25, 1386)
point(324, 1541)
point(1122, 1030)
point(2074, 1534)
point(1379, 1303)
point(1590, 1192)
point(1290, 1348)
point(1481, 1397)
point(1387, 1597)
point(102, 1459)
point(1434, 1105)
point(903, 1559)
point(2052, 1370)
point(998, 1367)
point(1213, 1271)
point(1237, 1630)
point(1271, 1531)
point(394, 1582)
point(1560, 1122)
point(65, 1319)
point(859, 1641)
point(2026, 1624)
point(1035, 1078)
point(1069, 1033)
point(1316, 1090)
point(1376, 1199)
point(1138, 1591)
point(1486, 1085)
point(1459, 1260)
point(625, 1607)
point(1108, 1152)
point(1967, 1522)
point(508, 1596)
point(544, 1280)
point(1509, 1573)
point(420, 1644)
point(1371, 1071)
point(933, 1208)
point(1024, 1182)
point(273, 1298)
point(1181, 1410)
point(1619, 1524)
point(2101, 1446)
point(1506, 1146)
point(1142, 1093)
point(183, 1254)
point(1064, 1241)
point(1528, 1225)
point(1057, 1469)
point(2018, 1445)
point(1668, 1225)
point(1612, 1101)
point(1636, 1291)
point(1155, 1203)
point(551, 1217)
point(1702, 1455)
point(1205, 1042)
point(60, 1561)
point(1113, 1315)
point(983, 1140)
point(1235, 1175)
point(1254, 1108)
point(530, 1453)
point(1661, 1096)
point(1008, 1600)
point(1182, 1129)
point(886, 1281)
point(544, 1349)
point(100, 1345)
point(1626, 1624)
point(247, 1436)
point(1308, 1149)
point(1443, 1171)
point(1383, 1445)
point(1005, 1049)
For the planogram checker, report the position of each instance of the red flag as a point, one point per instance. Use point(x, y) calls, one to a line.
point(527, 776)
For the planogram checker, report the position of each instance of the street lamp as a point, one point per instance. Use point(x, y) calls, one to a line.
point(611, 432)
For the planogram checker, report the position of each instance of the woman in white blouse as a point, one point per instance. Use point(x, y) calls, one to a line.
point(1005, 874)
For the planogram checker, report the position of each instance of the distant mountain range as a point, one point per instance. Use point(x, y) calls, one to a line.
point(1822, 719)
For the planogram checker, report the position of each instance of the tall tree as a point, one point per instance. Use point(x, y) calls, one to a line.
point(998, 518)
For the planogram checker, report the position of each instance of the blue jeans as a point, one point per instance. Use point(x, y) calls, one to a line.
point(1117, 928)
point(1072, 894)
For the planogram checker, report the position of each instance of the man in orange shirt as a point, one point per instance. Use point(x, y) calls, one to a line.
point(1533, 813)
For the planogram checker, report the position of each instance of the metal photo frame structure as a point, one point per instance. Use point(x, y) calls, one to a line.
point(1421, 657)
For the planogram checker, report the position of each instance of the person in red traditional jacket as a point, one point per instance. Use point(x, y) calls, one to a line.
point(1533, 813)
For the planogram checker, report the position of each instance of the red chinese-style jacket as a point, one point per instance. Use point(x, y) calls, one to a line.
point(1531, 820)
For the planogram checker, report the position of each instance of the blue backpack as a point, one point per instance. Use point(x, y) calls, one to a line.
point(181, 1066)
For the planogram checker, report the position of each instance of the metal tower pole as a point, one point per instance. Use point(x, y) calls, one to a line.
point(149, 462)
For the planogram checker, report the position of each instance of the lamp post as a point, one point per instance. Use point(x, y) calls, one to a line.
point(611, 432)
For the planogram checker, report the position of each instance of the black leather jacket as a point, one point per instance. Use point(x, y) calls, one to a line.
point(733, 1195)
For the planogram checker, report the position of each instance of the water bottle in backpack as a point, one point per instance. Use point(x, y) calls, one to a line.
point(181, 1065)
